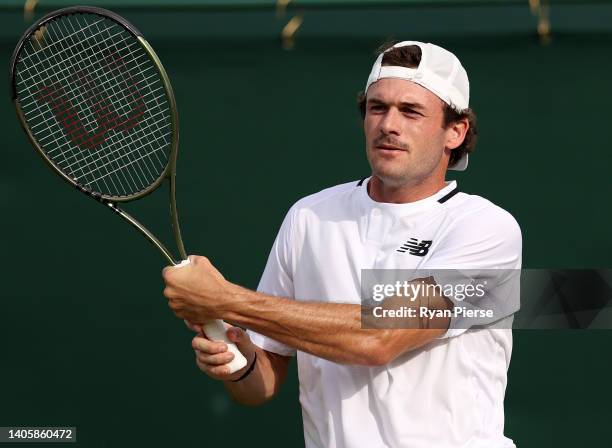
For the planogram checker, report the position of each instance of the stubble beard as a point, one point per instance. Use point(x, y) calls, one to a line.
point(402, 173)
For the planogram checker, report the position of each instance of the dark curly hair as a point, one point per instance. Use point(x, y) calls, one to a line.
point(410, 56)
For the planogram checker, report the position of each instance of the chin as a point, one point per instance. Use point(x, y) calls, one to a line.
point(389, 168)
point(397, 176)
point(391, 178)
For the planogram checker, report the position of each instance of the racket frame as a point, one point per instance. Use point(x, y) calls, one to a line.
point(169, 172)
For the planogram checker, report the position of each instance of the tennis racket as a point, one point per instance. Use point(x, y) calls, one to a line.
point(98, 107)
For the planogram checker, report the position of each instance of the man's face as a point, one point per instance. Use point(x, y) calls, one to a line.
point(405, 139)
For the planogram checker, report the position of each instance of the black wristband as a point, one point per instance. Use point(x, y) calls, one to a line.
point(249, 370)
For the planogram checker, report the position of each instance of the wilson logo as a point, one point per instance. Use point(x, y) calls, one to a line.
point(415, 247)
point(100, 104)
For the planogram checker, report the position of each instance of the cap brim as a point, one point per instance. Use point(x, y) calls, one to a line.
point(461, 164)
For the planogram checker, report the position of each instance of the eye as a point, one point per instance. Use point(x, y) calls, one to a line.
point(410, 112)
point(377, 108)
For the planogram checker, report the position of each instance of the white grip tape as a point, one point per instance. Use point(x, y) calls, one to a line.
point(215, 331)
point(185, 262)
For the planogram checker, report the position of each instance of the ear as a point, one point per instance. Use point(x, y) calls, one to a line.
point(455, 133)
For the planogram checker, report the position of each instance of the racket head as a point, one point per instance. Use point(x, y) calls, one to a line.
point(96, 103)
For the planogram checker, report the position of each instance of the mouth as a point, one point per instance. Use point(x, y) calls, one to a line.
point(389, 149)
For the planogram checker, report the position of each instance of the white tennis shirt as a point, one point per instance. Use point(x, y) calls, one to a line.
point(449, 393)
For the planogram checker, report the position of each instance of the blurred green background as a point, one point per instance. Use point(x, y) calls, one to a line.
point(85, 335)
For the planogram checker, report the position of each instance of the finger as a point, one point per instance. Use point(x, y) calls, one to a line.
point(197, 259)
point(205, 368)
point(175, 306)
point(218, 359)
point(239, 337)
point(166, 271)
point(215, 372)
point(208, 346)
point(235, 334)
point(193, 327)
point(220, 371)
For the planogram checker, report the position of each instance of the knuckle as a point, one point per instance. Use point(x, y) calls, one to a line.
point(202, 345)
point(218, 347)
point(167, 274)
point(211, 360)
point(195, 342)
point(221, 359)
point(242, 335)
point(203, 367)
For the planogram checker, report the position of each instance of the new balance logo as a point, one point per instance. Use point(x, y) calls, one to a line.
point(416, 247)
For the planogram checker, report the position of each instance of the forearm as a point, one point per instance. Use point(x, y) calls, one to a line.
point(327, 330)
point(263, 382)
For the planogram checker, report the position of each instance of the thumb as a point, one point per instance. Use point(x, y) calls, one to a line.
point(239, 337)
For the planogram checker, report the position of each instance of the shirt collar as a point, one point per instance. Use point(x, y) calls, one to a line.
point(408, 207)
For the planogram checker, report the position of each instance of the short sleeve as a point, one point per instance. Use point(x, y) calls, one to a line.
point(482, 248)
point(277, 280)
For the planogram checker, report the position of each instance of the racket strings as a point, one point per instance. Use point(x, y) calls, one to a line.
point(96, 104)
point(100, 116)
point(127, 161)
point(69, 132)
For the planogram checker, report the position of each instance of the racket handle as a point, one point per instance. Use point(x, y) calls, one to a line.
point(185, 262)
point(215, 331)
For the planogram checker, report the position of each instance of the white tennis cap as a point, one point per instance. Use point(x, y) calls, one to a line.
point(439, 71)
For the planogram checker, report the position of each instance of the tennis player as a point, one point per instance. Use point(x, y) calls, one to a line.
point(430, 386)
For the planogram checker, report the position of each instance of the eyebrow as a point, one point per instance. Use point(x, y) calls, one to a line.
point(415, 106)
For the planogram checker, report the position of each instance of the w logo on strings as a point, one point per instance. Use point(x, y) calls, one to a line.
point(100, 104)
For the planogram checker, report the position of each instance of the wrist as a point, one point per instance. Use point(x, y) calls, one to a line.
point(232, 307)
point(216, 304)
point(246, 370)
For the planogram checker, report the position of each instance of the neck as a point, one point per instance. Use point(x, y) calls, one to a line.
point(380, 192)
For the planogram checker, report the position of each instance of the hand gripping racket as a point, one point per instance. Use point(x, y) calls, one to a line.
point(97, 105)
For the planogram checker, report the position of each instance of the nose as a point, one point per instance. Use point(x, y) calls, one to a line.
point(390, 123)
